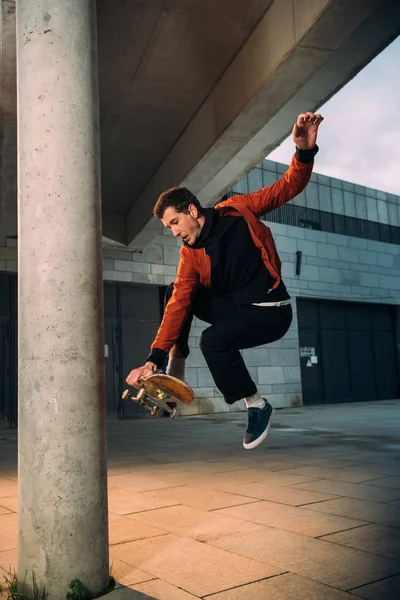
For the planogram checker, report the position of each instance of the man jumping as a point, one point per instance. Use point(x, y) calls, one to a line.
point(229, 275)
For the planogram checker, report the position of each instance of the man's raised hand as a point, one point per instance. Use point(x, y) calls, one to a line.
point(305, 130)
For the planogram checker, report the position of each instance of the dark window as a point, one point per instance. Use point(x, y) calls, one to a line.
point(310, 218)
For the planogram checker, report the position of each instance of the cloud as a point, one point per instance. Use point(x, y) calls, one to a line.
point(359, 139)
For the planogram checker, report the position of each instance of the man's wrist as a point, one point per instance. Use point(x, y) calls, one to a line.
point(157, 357)
point(151, 365)
point(306, 155)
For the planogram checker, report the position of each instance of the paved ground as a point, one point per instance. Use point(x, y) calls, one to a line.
point(313, 514)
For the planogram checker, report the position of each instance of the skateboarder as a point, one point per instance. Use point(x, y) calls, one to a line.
point(229, 275)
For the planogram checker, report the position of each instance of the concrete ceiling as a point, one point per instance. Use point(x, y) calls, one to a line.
point(195, 92)
point(158, 62)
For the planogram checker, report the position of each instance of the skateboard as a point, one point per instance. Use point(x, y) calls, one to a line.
point(157, 390)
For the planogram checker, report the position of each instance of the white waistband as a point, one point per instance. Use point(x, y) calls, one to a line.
point(281, 303)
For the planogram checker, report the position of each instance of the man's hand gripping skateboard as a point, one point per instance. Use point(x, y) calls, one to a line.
point(156, 389)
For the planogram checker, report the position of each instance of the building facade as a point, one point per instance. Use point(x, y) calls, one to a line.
point(340, 248)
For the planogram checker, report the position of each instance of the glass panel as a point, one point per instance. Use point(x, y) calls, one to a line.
point(359, 189)
point(361, 207)
point(323, 179)
point(300, 200)
point(349, 204)
point(337, 202)
point(269, 165)
point(381, 195)
point(382, 212)
point(269, 178)
point(325, 201)
point(370, 192)
point(372, 209)
point(349, 187)
point(241, 186)
point(312, 195)
point(255, 180)
point(336, 183)
point(392, 213)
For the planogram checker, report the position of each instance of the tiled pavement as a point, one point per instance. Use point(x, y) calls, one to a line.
point(312, 514)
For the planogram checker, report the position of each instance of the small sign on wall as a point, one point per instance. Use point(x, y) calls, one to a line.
point(307, 351)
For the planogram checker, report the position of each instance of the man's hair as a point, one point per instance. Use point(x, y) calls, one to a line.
point(179, 198)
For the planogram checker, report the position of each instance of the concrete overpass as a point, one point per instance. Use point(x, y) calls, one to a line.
point(190, 91)
point(196, 92)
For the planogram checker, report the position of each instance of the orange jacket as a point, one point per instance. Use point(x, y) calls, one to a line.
point(194, 267)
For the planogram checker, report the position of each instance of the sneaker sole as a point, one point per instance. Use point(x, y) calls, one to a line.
point(261, 438)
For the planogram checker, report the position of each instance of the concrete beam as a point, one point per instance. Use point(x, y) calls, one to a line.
point(300, 54)
point(114, 227)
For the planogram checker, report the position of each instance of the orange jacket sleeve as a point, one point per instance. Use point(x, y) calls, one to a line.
point(175, 313)
point(290, 185)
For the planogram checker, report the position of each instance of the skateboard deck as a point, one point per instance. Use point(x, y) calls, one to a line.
point(157, 390)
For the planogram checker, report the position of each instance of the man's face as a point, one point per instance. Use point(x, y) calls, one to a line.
point(186, 226)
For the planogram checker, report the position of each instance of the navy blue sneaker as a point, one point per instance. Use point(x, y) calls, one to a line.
point(259, 422)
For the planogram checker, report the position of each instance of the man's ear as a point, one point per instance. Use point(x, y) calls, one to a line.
point(193, 211)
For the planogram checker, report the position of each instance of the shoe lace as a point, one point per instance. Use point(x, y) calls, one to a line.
point(251, 418)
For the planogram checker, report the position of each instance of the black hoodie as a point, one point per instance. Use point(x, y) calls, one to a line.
point(237, 269)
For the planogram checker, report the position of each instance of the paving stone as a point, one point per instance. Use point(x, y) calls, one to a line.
point(122, 529)
point(373, 512)
point(125, 574)
point(336, 474)
point(387, 482)
point(283, 587)
point(192, 566)
point(290, 518)
point(10, 503)
point(283, 495)
point(8, 560)
point(8, 487)
point(199, 497)
point(376, 539)
point(141, 482)
point(387, 589)
point(351, 490)
point(385, 469)
point(336, 566)
point(219, 480)
point(146, 470)
point(325, 461)
point(124, 502)
point(195, 523)
point(127, 593)
point(9, 531)
point(164, 591)
point(266, 463)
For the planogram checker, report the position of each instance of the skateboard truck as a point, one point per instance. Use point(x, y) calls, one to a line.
point(157, 390)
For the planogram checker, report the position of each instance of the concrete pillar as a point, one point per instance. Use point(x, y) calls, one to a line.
point(63, 529)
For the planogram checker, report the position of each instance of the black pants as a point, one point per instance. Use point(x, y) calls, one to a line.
point(233, 328)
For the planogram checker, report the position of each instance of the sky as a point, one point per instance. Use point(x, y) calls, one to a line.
point(359, 139)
